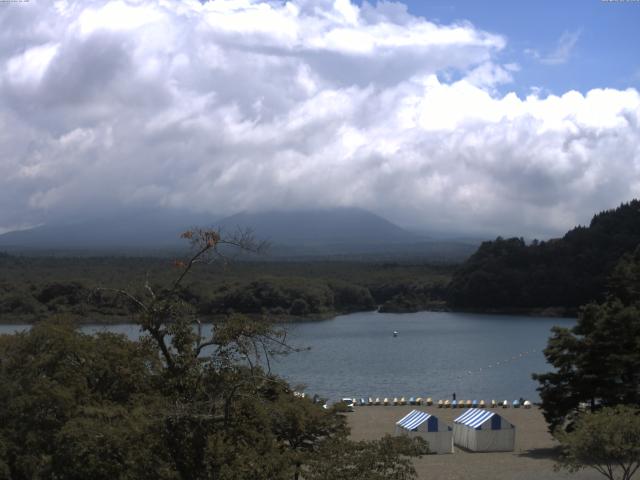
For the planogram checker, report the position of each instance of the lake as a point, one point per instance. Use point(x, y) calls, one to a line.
point(434, 354)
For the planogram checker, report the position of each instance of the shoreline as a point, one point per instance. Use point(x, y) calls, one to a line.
point(557, 312)
point(547, 312)
point(107, 320)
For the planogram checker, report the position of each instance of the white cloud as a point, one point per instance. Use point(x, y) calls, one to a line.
point(117, 15)
point(489, 75)
point(28, 68)
point(562, 51)
point(240, 104)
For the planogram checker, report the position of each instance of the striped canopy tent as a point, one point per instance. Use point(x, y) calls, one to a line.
point(422, 424)
point(482, 430)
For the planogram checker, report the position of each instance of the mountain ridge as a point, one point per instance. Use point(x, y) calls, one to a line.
point(319, 226)
point(311, 233)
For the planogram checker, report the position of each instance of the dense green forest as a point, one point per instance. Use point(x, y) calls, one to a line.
point(175, 404)
point(32, 288)
point(560, 274)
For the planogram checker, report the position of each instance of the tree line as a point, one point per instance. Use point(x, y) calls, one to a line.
point(565, 273)
point(32, 288)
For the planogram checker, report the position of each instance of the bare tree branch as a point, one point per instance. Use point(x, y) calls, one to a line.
point(126, 294)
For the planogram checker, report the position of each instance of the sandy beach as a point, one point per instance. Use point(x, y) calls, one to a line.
point(533, 458)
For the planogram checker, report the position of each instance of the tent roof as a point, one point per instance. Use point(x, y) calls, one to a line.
point(474, 417)
point(413, 420)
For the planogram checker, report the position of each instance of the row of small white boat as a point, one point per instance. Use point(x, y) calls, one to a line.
point(440, 403)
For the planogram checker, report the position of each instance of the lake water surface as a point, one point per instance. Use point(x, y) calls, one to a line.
point(434, 354)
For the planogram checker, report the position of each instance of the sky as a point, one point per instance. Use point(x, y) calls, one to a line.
point(491, 118)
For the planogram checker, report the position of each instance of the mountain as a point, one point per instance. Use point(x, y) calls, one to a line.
point(298, 234)
point(343, 233)
point(134, 231)
point(509, 274)
point(319, 227)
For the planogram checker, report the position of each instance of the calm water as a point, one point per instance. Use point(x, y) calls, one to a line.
point(434, 354)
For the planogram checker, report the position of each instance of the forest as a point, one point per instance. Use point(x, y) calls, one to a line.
point(175, 404)
point(559, 274)
point(32, 288)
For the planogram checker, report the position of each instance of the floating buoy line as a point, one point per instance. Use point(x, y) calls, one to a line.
point(498, 363)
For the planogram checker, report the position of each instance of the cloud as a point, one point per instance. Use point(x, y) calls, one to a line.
point(232, 105)
point(562, 52)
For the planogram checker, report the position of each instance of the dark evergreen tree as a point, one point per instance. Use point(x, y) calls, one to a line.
point(597, 362)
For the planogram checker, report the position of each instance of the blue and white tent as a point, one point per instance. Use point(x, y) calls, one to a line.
point(422, 424)
point(482, 430)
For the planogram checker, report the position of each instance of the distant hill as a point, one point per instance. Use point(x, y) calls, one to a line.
point(320, 227)
point(343, 233)
point(337, 233)
point(567, 272)
point(136, 231)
